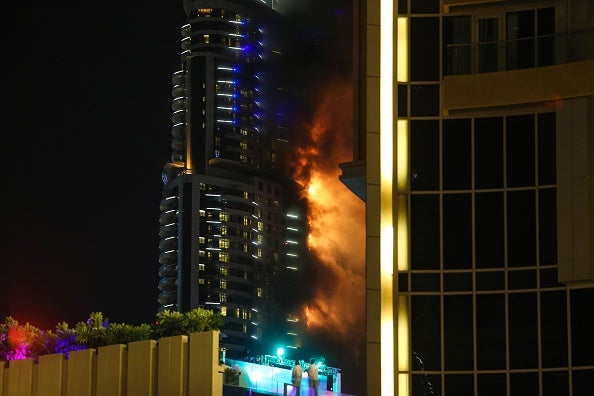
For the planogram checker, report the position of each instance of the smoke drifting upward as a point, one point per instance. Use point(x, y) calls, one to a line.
point(319, 61)
point(335, 310)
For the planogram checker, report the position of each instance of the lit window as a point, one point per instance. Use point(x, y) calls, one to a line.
point(224, 243)
point(224, 257)
point(224, 271)
point(246, 221)
point(260, 226)
point(223, 284)
point(201, 239)
point(223, 297)
point(259, 292)
point(224, 311)
point(224, 216)
point(245, 328)
point(260, 239)
point(201, 281)
point(223, 230)
point(237, 313)
point(246, 195)
point(202, 213)
point(200, 267)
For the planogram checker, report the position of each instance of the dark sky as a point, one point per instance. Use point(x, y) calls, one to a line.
point(86, 119)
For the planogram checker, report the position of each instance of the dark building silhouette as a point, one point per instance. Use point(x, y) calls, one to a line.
point(233, 226)
point(474, 126)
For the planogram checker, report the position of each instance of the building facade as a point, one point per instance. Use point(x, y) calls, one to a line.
point(474, 152)
point(233, 226)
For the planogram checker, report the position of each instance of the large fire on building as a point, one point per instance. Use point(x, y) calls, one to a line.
point(334, 312)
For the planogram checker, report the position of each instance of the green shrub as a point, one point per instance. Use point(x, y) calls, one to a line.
point(19, 341)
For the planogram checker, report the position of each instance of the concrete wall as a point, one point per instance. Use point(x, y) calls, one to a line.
point(173, 366)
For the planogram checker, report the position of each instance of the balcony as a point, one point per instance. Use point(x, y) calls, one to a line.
point(536, 71)
point(522, 53)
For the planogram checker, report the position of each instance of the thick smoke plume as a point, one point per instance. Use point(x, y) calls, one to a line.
point(320, 60)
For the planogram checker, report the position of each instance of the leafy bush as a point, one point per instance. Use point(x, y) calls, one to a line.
point(19, 341)
point(171, 323)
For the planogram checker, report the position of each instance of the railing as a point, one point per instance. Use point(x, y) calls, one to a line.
point(178, 365)
point(522, 53)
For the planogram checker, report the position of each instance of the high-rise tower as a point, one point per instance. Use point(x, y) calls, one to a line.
point(475, 155)
point(232, 225)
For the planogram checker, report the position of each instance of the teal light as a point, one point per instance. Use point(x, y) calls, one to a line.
point(280, 352)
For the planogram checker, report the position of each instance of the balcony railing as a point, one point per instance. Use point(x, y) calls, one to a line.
point(523, 53)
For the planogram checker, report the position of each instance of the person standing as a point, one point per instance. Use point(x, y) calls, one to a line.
point(297, 374)
point(312, 373)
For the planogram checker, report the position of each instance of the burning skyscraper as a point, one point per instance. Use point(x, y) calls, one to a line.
point(233, 226)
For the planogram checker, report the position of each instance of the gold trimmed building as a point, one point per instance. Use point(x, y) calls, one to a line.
point(474, 152)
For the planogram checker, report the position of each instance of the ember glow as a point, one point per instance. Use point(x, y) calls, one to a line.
point(336, 218)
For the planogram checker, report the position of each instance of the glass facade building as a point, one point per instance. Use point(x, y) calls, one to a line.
point(233, 226)
point(475, 156)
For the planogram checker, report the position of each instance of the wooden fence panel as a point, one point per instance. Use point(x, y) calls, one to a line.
point(20, 377)
point(80, 370)
point(50, 375)
point(111, 370)
point(172, 366)
point(142, 368)
point(205, 375)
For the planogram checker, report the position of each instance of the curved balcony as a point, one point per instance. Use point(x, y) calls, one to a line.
point(178, 144)
point(185, 43)
point(185, 30)
point(178, 116)
point(168, 257)
point(168, 243)
point(178, 90)
point(167, 284)
point(168, 230)
point(179, 77)
point(178, 156)
point(168, 203)
point(167, 297)
point(169, 216)
point(178, 103)
point(167, 270)
point(178, 130)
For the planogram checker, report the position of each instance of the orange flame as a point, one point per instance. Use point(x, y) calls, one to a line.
point(336, 217)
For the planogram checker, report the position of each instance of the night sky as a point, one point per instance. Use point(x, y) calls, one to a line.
point(86, 130)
